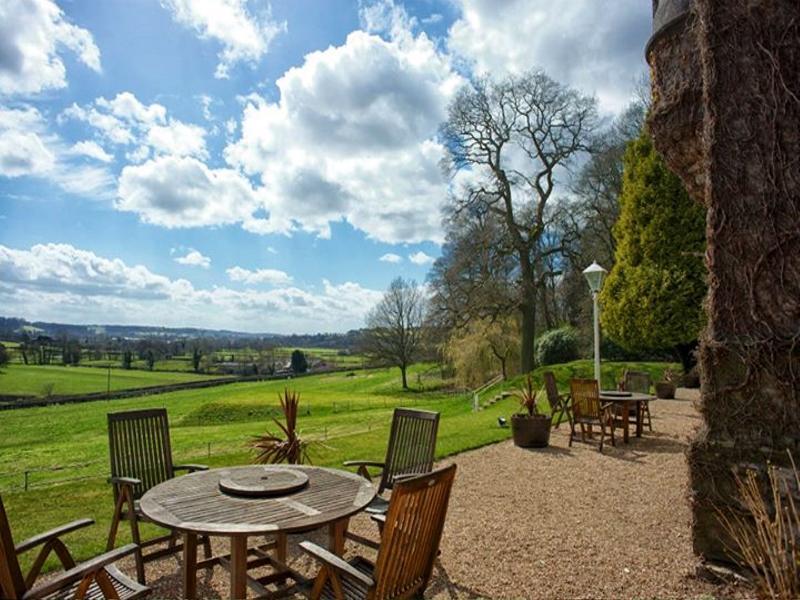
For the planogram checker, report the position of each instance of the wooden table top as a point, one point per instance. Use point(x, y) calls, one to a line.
point(194, 503)
point(612, 396)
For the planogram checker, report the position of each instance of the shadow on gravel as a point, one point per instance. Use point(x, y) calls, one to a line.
point(442, 584)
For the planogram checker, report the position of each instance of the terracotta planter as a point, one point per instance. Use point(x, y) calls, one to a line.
point(665, 390)
point(531, 431)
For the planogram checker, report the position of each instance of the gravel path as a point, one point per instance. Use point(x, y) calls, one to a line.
point(554, 523)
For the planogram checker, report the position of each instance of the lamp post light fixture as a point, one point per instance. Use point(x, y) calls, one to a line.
point(595, 274)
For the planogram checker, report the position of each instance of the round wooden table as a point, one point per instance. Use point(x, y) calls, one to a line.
point(635, 399)
point(195, 505)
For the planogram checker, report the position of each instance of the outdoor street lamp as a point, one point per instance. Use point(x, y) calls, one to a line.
point(595, 274)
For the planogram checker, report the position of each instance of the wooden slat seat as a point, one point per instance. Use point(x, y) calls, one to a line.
point(140, 453)
point(125, 588)
point(94, 579)
point(559, 403)
point(587, 411)
point(411, 451)
point(639, 381)
point(412, 530)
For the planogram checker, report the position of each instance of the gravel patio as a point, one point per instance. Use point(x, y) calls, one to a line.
point(555, 523)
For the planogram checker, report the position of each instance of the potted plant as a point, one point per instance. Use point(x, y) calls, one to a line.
point(530, 428)
point(665, 389)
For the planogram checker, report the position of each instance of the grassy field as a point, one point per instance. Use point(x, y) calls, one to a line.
point(65, 448)
point(37, 380)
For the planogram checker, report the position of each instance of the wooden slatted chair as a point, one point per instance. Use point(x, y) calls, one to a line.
point(587, 410)
point(639, 381)
point(411, 450)
point(412, 530)
point(94, 579)
point(141, 457)
point(559, 403)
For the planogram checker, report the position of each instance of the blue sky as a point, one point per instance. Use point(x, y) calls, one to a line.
point(253, 165)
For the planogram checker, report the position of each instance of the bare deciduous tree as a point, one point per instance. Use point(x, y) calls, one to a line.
point(394, 326)
point(514, 136)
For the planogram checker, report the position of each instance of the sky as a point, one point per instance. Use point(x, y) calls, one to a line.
point(252, 165)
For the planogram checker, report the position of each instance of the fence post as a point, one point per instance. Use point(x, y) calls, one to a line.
point(209, 449)
point(475, 402)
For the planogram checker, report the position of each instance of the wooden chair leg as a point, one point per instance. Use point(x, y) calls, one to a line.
point(649, 419)
point(136, 538)
point(602, 434)
point(571, 432)
point(206, 546)
point(112, 532)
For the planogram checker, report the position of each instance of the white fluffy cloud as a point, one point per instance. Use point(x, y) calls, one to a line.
point(32, 33)
point(595, 46)
point(391, 258)
point(268, 276)
point(62, 283)
point(28, 148)
point(245, 35)
point(353, 137)
point(93, 150)
point(176, 191)
point(194, 258)
point(144, 128)
point(420, 258)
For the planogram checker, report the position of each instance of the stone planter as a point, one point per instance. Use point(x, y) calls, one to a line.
point(531, 431)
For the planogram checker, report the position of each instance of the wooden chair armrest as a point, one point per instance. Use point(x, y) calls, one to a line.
point(45, 537)
point(77, 573)
point(364, 463)
point(121, 481)
point(329, 559)
point(378, 518)
point(362, 467)
point(191, 468)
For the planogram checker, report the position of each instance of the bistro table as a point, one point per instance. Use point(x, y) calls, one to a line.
point(626, 401)
point(196, 504)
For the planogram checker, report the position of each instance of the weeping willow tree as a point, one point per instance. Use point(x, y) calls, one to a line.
point(484, 349)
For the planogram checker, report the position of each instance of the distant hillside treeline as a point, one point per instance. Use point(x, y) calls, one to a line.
point(16, 329)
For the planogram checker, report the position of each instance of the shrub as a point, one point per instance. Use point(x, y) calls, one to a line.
point(557, 346)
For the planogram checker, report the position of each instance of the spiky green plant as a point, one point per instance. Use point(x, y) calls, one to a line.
point(526, 395)
point(285, 446)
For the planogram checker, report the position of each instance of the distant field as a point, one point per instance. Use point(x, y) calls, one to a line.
point(39, 380)
point(64, 448)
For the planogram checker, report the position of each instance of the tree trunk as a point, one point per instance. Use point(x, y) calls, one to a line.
point(403, 374)
point(503, 367)
point(740, 159)
point(527, 360)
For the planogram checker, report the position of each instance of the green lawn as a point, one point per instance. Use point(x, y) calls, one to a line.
point(39, 380)
point(65, 447)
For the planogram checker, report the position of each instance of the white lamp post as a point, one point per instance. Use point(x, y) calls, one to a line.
point(595, 274)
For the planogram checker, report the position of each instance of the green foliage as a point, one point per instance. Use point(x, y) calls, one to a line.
point(653, 296)
point(557, 346)
point(482, 350)
point(299, 362)
point(4, 356)
point(127, 359)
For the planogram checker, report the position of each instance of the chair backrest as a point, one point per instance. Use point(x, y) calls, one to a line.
point(552, 391)
point(12, 583)
point(585, 398)
point(412, 445)
point(411, 535)
point(139, 446)
point(637, 381)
